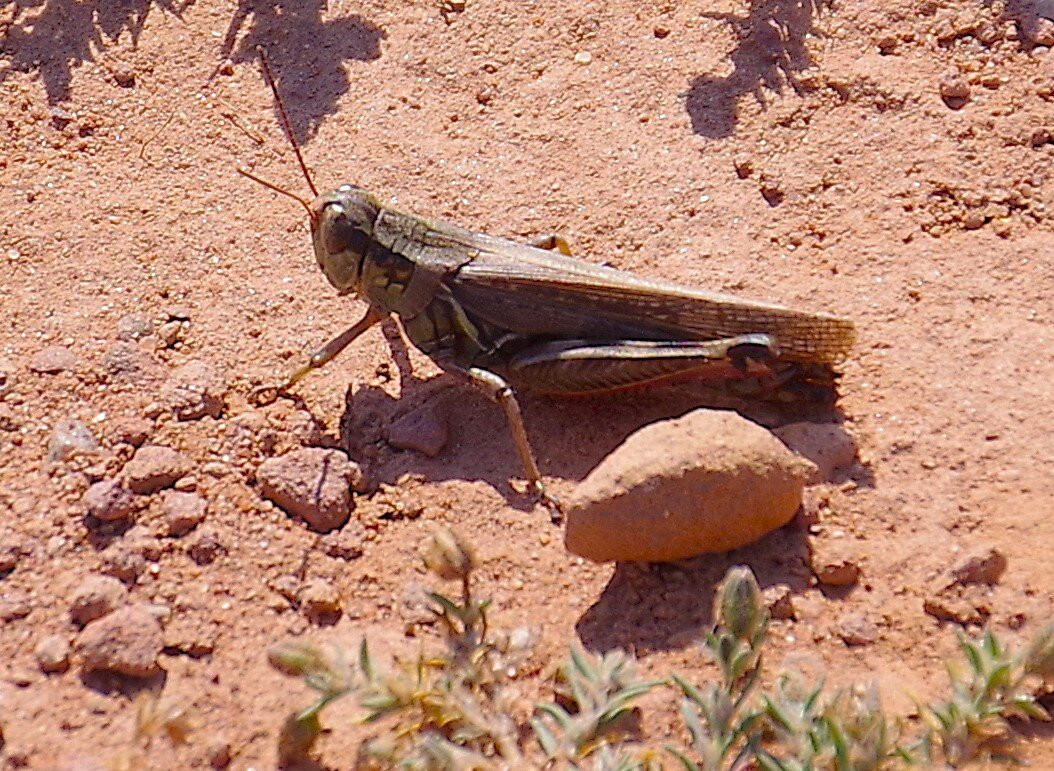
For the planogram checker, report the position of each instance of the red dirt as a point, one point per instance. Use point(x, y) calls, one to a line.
point(784, 152)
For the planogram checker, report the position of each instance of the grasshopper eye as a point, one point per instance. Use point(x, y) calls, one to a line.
point(340, 234)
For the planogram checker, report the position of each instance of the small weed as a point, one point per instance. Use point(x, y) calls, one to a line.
point(456, 709)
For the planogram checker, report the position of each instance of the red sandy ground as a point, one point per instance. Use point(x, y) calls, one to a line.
point(864, 194)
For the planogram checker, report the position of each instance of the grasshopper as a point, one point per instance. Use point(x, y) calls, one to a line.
point(511, 316)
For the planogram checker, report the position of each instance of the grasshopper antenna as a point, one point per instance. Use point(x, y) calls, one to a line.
point(277, 189)
point(286, 125)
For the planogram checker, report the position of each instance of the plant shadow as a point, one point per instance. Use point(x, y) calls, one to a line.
point(306, 52)
point(769, 52)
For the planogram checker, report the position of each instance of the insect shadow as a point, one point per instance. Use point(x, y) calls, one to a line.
point(769, 52)
point(571, 436)
point(654, 607)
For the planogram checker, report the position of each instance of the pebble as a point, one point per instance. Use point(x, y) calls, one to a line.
point(154, 468)
point(124, 76)
point(583, 57)
point(780, 602)
point(983, 566)
point(134, 326)
point(7, 376)
point(423, 430)
point(53, 360)
point(205, 546)
point(954, 89)
point(108, 501)
point(14, 606)
point(127, 362)
point(94, 597)
point(130, 430)
point(956, 609)
point(707, 482)
point(855, 629)
point(123, 561)
point(11, 553)
point(194, 391)
point(344, 544)
point(320, 601)
point(52, 654)
point(313, 484)
point(127, 641)
point(218, 752)
point(771, 190)
point(69, 438)
point(744, 165)
point(834, 570)
point(828, 445)
point(183, 512)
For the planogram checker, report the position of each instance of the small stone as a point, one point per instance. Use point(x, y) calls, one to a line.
point(108, 501)
point(52, 654)
point(954, 89)
point(124, 75)
point(128, 363)
point(583, 57)
point(835, 571)
point(183, 512)
point(187, 637)
point(11, 553)
point(70, 438)
point(170, 333)
point(973, 219)
point(707, 482)
point(129, 430)
point(771, 190)
point(127, 641)
point(486, 94)
point(779, 601)
point(194, 391)
point(744, 165)
point(423, 430)
point(661, 32)
point(205, 546)
point(53, 360)
point(123, 561)
point(94, 597)
point(14, 606)
point(985, 566)
point(955, 609)
point(226, 67)
point(154, 468)
point(855, 629)
point(344, 544)
point(320, 601)
point(134, 326)
point(218, 752)
point(313, 484)
point(828, 445)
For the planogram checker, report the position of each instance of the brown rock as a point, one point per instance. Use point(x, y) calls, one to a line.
point(828, 445)
point(312, 483)
point(194, 390)
point(53, 360)
point(320, 600)
point(423, 430)
point(94, 597)
point(154, 468)
point(707, 482)
point(984, 566)
point(205, 546)
point(835, 571)
point(955, 90)
point(52, 654)
point(108, 501)
point(855, 629)
point(127, 641)
point(183, 512)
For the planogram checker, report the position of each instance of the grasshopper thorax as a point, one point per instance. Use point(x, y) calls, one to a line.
point(341, 231)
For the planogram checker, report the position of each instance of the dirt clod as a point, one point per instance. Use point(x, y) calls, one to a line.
point(834, 569)
point(127, 642)
point(423, 430)
point(707, 482)
point(955, 89)
point(153, 468)
point(205, 546)
point(109, 501)
point(194, 391)
point(983, 566)
point(14, 605)
point(313, 484)
point(780, 602)
point(183, 512)
point(134, 326)
point(94, 597)
point(69, 438)
point(856, 629)
point(52, 654)
point(320, 600)
point(53, 360)
point(344, 544)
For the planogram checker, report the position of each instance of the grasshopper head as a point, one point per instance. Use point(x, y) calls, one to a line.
point(341, 231)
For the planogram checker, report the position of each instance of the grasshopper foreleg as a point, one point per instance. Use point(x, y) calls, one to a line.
point(323, 355)
point(497, 390)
